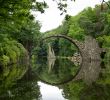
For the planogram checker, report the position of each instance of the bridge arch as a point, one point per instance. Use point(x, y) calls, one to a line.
point(78, 44)
point(73, 41)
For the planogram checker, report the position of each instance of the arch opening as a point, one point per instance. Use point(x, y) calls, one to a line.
point(51, 73)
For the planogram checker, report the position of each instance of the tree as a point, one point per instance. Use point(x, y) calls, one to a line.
point(17, 22)
point(28, 35)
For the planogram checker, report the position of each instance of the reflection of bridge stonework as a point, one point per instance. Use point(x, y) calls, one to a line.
point(89, 72)
point(89, 49)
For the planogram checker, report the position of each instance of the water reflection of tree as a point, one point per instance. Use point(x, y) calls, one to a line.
point(105, 79)
point(96, 92)
point(71, 91)
point(80, 91)
point(10, 74)
point(24, 89)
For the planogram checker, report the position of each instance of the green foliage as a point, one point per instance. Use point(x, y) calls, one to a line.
point(66, 50)
point(72, 90)
point(29, 35)
point(17, 22)
point(10, 51)
point(4, 60)
point(105, 41)
point(95, 92)
point(75, 31)
point(10, 74)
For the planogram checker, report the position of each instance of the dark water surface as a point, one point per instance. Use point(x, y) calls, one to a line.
point(56, 79)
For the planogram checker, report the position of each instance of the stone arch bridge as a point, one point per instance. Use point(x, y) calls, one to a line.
point(89, 48)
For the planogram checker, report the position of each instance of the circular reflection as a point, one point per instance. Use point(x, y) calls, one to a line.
point(58, 61)
point(56, 71)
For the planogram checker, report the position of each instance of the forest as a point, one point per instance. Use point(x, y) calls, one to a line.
point(20, 33)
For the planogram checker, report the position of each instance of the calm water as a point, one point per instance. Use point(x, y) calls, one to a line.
point(56, 79)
